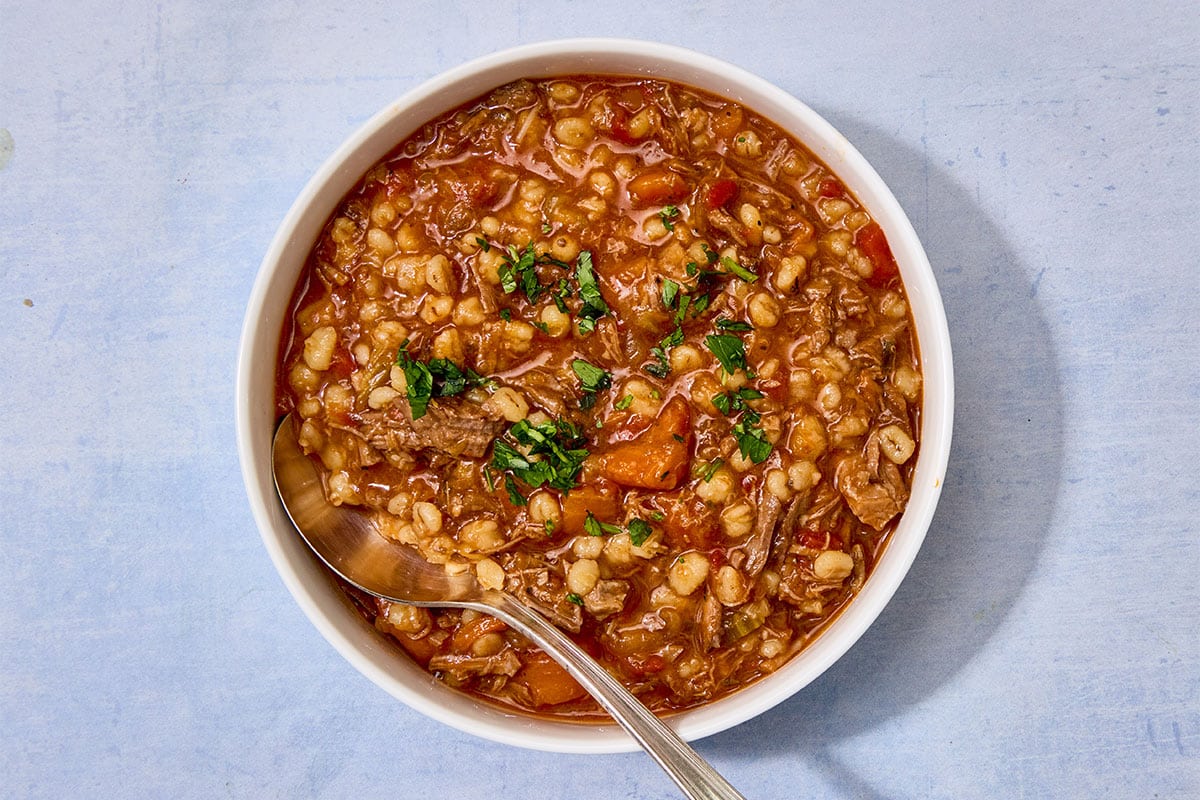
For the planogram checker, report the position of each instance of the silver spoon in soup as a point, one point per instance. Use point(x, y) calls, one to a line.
point(349, 543)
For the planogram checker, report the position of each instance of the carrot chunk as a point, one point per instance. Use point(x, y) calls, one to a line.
point(548, 683)
point(658, 457)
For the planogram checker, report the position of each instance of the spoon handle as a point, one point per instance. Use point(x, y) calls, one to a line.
point(687, 768)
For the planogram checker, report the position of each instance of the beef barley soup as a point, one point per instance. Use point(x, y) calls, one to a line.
point(628, 351)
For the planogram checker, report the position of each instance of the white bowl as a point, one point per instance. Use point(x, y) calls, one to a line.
point(324, 604)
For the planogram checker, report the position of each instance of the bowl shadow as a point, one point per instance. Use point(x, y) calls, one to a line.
point(999, 497)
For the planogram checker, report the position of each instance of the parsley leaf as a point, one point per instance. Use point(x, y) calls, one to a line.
point(737, 269)
point(752, 442)
point(726, 324)
point(593, 379)
point(662, 367)
point(729, 350)
point(639, 531)
point(574, 598)
point(624, 403)
point(514, 495)
point(440, 377)
point(711, 469)
point(670, 291)
point(667, 214)
point(594, 306)
point(594, 527)
point(731, 403)
point(554, 453)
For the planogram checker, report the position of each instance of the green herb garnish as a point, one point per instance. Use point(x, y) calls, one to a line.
point(737, 269)
point(624, 403)
point(553, 455)
point(667, 214)
point(752, 442)
point(594, 527)
point(711, 469)
point(440, 377)
point(639, 531)
point(729, 350)
point(592, 379)
point(594, 306)
point(726, 324)
point(514, 495)
point(574, 598)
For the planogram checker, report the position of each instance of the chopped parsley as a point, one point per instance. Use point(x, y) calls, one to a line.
point(670, 291)
point(514, 494)
point(737, 269)
point(440, 377)
point(553, 453)
point(594, 527)
point(484, 244)
point(592, 378)
point(667, 214)
point(624, 403)
point(639, 531)
point(661, 366)
point(732, 402)
point(726, 324)
point(752, 442)
point(657, 516)
point(729, 350)
point(711, 469)
point(594, 306)
point(574, 598)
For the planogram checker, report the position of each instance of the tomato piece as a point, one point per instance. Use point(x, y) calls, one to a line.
point(814, 539)
point(831, 187)
point(720, 193)
point(645, 665)
point(657, 458)
point(618, 127)
point(657, 187)
point(548, 683)
point(601, 498)
point(874, 245)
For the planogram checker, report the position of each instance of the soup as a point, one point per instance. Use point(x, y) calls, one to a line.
point(625, 350)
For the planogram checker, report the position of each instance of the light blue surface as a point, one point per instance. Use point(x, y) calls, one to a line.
point(1046, 643)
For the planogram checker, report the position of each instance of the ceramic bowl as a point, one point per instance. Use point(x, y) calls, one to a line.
point(324, 604)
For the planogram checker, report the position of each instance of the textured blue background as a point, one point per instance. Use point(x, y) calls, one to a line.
point(1045, 644)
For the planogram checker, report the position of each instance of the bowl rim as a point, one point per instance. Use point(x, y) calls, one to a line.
point(262, 325)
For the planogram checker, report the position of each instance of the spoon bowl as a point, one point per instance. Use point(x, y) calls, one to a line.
point(349, 543)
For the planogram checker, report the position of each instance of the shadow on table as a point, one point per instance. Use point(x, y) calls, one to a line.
point(998, 500)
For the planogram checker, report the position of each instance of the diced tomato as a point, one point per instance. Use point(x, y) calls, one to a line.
point(818, 540)
point(831, 187)
point(548, 683)
point(720, 193)
point(618, 127)
point(658, 457)
point(645, 665)
point(468, 632)
point(601, 498)
point(657, 187)
point(874, 245)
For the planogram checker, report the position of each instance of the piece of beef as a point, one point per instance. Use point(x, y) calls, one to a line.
point(606, 598)
point(874, 495)
point(505, 662)
point(758, 546)
point(532, 582)
point(451, 425)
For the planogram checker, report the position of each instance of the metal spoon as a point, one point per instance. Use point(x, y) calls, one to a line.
point(349, 543)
